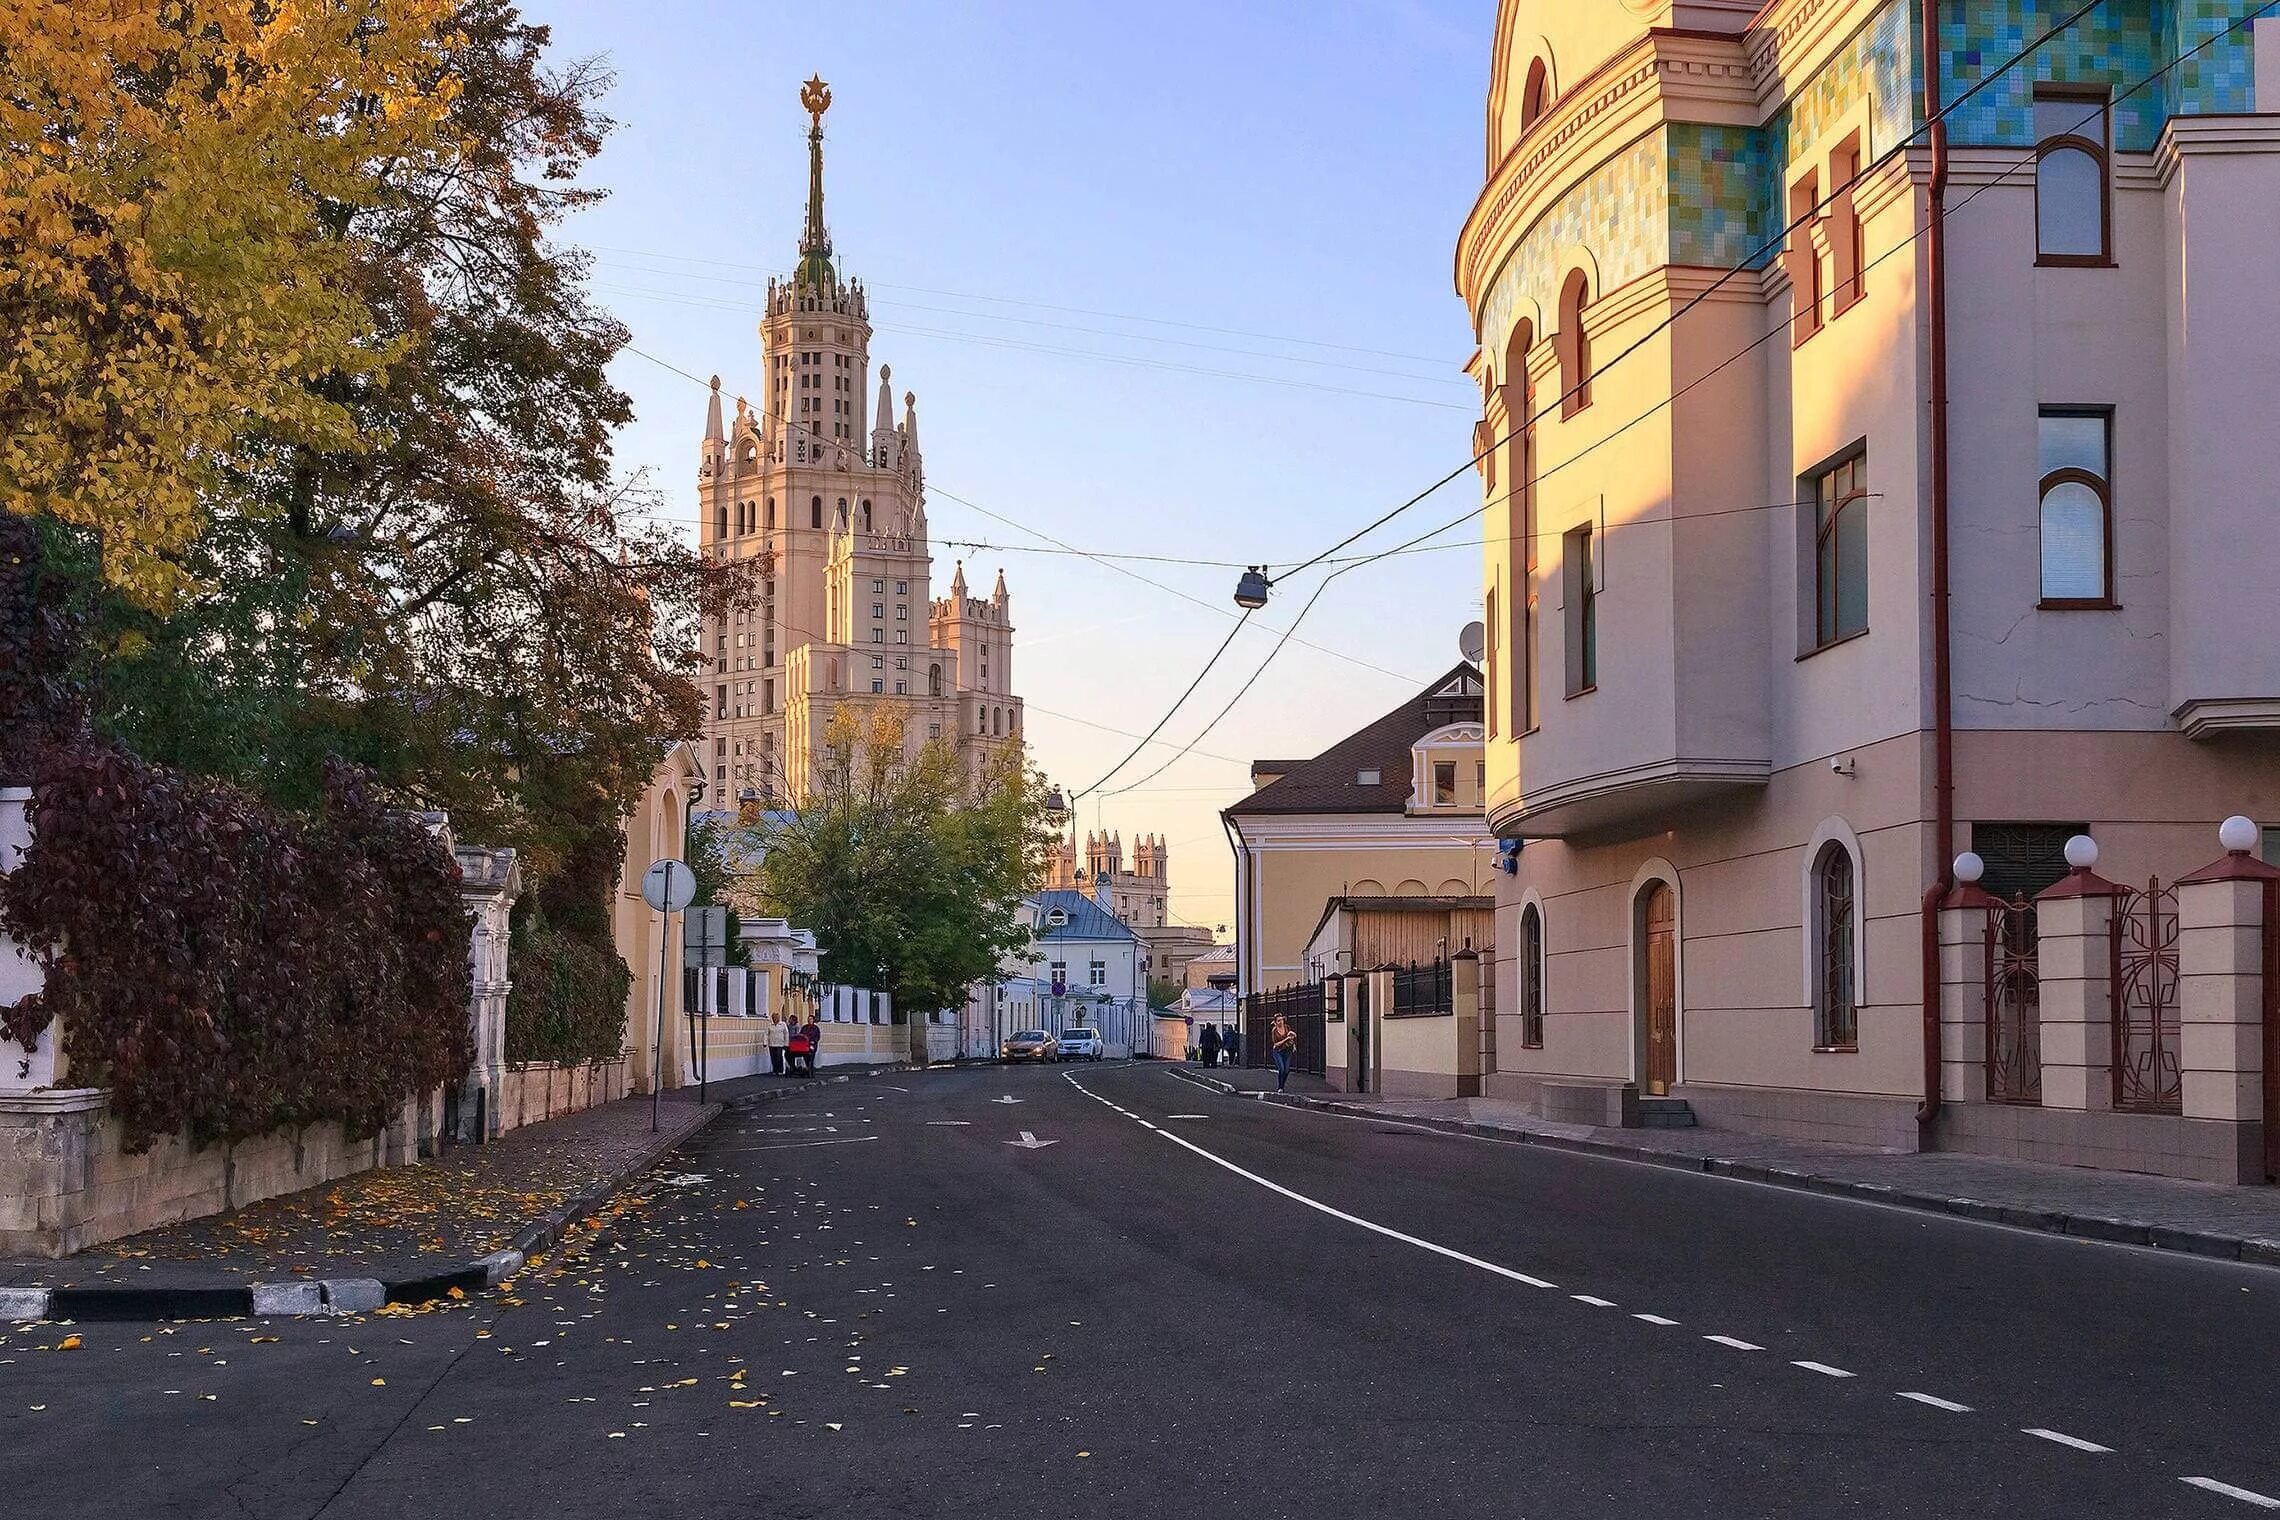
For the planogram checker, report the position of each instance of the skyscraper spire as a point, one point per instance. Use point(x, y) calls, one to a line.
point(815, 271)
point(712, 414)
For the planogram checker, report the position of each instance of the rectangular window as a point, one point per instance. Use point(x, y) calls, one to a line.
point(1444, 783)
point(902, 688)
point(878, 662)
point(878, 585)
point(720, 702)
point(902, 612)
point(2075, 449)
point(902, 588)
point(1802, 259)
point(878, 635)
point(878, 609)
point(877, 687)
point(902, 635)
point(2074, 209)
point(1582, 612)
point(1097, 974)
point(1839, 497)
point(1491, 666)
point(1480, 782)
point(768, 696)
point(1847, 244)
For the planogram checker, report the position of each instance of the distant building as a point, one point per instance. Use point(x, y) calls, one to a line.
point(1140, 896)
point(1391, 811)
point(827, 483)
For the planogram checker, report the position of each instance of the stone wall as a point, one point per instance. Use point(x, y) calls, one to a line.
point(537, 1090)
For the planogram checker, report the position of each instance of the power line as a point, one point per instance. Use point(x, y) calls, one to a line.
point(1749, 264)
point(1240, 624)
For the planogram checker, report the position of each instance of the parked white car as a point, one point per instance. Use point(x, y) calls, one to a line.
point(1082, 1045)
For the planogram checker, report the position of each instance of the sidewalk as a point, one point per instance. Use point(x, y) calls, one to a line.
point(2236, 1223)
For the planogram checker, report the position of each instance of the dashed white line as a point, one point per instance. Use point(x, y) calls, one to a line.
point(2245, 1495)
point(1655, 1319)
point(1938, 1403)
point(1596, 1303)
point(2063, 1439)
point(1727, 1340)
point(1335, 1213)
point(1822, 1368)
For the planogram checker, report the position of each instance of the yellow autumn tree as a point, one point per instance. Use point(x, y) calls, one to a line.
point(176, 306)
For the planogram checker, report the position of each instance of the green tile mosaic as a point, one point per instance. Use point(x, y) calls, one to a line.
point(1620, 212)
point(1723, 200)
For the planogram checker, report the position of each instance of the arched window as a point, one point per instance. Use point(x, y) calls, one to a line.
point(934, 680)
point(1520, 517)
point(1536, 99)
point(2073, 207)
point(1574, 346)
point(720, 520)
point(1836, 931)
point(1531, 977)
point(866, 514)
point(771, 519)
point(815, 511)
point(2077, 508)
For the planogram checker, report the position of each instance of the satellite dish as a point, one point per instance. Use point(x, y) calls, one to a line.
point(1473, 642)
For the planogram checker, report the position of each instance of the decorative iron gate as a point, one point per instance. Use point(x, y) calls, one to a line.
point(2148, 1070)
point(1302, 1006)
point(2014, 1004)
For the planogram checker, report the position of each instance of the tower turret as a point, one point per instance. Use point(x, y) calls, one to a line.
point(815, 275)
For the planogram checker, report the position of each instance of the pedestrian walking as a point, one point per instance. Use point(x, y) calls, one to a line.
point(1285, 1042)
point(779, 1041)
point(814, 1033)
point(1211, 1044)
point(1231, 1041)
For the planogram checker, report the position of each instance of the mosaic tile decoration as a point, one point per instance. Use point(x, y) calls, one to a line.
point(1723, 196)
point(1620, 211)
point(1879, 61)
point(2220, 76)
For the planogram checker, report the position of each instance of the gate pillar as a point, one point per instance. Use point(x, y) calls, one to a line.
point(2075, 959)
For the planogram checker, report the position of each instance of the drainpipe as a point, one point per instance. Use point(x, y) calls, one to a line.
point(1242, 893)
point(1943, 727)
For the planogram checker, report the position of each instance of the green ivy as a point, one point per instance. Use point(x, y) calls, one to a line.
point(567, 1003)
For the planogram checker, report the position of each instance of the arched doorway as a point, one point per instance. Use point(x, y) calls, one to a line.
point(1656, 973)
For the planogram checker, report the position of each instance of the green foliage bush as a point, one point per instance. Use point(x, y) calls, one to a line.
point(568, 1000)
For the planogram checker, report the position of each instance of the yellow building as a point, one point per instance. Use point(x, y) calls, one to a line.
point(825, 489)
point(1392, 810)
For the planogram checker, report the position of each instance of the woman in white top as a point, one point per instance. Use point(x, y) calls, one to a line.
point(779, 1036)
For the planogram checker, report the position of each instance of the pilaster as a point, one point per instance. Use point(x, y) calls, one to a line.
point(2074, 955)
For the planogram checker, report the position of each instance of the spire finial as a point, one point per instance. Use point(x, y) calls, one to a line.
point(712, 413)
point(815, 270)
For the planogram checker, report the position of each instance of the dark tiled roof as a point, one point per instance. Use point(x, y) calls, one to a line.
point(1329, 783)
point(1087, 919)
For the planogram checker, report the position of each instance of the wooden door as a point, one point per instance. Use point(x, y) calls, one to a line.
point(1658, 970)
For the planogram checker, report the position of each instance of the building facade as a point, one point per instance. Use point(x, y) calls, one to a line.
point(1140, 896)
point(1876, 454)
point(822, 485)
point(1392, 810)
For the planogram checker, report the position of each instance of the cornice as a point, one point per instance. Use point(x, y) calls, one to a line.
point(2196, 136)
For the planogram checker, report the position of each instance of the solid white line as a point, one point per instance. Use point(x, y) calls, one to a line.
point(2063, 1439)
point(1937, 1403)
point(1822, 1368)
point(1596, 1303)
point(1655, 1319)
point(1144, 1124)
point(2245, 1495)
point(1187, 1116)
point(1727, 1340)
point(1336, 1213)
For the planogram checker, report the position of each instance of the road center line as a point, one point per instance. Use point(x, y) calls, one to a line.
point(2245, 1495)
point(1335, 1213)
point(1822, 1368)
point(1596, 1303)
point(1727, 1340)
point(2063, 1439)
point(1938, 1403)
point(1655, 1319)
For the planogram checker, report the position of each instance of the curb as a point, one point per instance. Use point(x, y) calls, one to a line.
point(361, 1295)
point(2249, 1250)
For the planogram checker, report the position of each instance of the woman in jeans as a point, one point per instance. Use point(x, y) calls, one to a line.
point(779, 1039)
point(1284, 1041)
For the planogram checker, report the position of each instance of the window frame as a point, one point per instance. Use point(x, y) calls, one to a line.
point(1531, 968)
point(1828, 1038)
point(2102, 488)
point(1580, 571)
point(1810, 629)
point(1573, 343)
point(2100, 151)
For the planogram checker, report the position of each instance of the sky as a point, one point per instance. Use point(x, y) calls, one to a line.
point(1168, 280)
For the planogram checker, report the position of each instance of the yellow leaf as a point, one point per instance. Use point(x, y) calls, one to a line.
point(379, 1382)
point(68, 1343)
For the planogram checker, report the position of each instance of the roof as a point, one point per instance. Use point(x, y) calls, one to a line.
point(1329, 783)
point(1087, 919)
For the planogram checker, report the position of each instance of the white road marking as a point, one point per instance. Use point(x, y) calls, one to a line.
point(2063, 1439)
point(1727, 1340)
point(1822, 1368)
point(948, 1123)
point(788, 1145)
point(1144, 1124)
point(1008, 1098)
point(2245, 1495)
point(1335, 1213)
point(1655, 1319)
point(1030, 1142)
point(1187, 1116)
point(1938, 1403)
point(1596, 1303)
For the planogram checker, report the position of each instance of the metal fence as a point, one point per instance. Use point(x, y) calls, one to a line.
point(2148, 1066)
point(1302, 1006)
point(1421, 991)
point(2014, 1004)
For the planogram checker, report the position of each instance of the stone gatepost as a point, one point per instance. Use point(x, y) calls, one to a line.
point(490, 881)
point(1464, 1003)
point(2220, 967)
point(2074, 956)
point(1964, 918)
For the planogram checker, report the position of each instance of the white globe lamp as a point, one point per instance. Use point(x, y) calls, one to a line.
point(1969, 868)
point(2082, 852)
point(2238, 834)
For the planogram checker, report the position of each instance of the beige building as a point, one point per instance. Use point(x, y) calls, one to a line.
point(1139, 896)
point(1391, 811)
point(1860, 495)
point(821, 483)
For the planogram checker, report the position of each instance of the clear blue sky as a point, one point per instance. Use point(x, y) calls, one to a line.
point(1267, 172)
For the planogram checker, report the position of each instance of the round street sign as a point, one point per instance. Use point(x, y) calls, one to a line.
point(668, 885)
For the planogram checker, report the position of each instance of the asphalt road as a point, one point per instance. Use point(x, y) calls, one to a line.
point(866, 1301)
